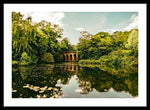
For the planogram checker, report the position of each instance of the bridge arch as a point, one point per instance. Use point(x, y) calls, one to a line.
point(70, 56)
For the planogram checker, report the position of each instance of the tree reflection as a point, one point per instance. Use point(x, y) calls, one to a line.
point(43, 81)
point(85, 87)
point(102, 81)
point(39, 76)
point(24, 72)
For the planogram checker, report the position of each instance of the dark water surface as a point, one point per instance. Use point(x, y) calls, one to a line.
point(69, 80)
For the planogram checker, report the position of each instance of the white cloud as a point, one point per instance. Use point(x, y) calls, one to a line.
point(133, 24)
point(53, 17)
point(133, 17)
point(79, 29)
point(57, 18)
point(111, 31)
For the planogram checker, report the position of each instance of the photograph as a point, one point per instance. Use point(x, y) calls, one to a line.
point(74, 54)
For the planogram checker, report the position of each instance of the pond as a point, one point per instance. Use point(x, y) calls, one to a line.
point(70, 80)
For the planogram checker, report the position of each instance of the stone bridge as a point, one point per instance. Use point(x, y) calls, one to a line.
point(69, 56)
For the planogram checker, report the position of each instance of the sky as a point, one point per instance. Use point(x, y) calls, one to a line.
point(74, 22)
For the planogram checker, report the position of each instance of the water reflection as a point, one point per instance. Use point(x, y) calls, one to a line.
point(71, 80)
point(67, 66)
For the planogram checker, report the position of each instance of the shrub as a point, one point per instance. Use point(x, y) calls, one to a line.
point(47, 58)
point(25, 59)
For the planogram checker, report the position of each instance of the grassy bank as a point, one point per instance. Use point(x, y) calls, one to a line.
point(119, 58)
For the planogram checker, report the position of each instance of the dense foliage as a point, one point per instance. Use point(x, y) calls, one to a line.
point(36, 39)
point(118, 49)
point(33, 43)
point(25, 59)
point(48, 58)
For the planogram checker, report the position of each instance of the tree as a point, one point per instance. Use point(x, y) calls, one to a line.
point(132, 40)
point(65, 45)
point(120, 38)
point(47, 58)
point(25, 59)
point(35, 39)
point(22, 33)
point(84, 44)
point(85, 35)
point(94, 46)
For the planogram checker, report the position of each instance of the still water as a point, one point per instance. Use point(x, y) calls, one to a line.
point(70, 80)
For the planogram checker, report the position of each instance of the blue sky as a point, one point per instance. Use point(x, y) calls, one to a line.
point(93, 22)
